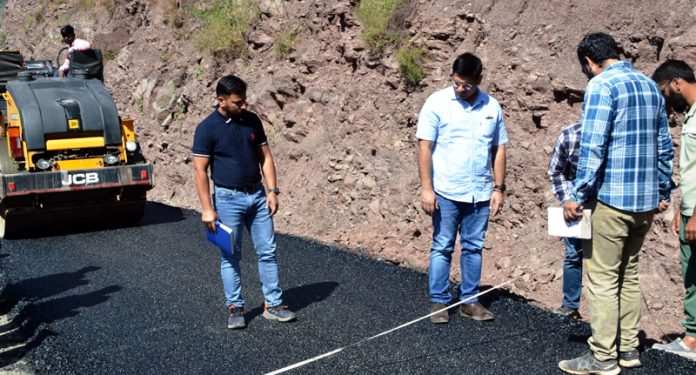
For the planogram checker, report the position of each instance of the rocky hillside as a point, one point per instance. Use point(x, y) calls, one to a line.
point(341, 118)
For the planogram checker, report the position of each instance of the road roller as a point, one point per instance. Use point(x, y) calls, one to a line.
point(66, 156)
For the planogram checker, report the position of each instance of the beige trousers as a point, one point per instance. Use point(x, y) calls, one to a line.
point(611, 264)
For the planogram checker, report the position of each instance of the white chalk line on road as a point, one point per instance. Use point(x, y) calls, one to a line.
point(335, 351)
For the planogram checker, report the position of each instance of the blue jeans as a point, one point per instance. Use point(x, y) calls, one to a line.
point(471, 221)
point(572, 273)
point(237, 210)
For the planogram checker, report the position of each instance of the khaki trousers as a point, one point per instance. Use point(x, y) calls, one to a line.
point(611, 264)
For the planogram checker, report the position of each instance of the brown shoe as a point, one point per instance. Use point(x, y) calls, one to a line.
point(475, 311)
point(441, 317)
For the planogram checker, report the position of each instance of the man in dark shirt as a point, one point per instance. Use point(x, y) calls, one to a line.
point(232, 142)
point(561, 172)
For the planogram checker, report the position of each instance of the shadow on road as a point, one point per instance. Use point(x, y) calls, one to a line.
point(155, 214)
point(25, 332)
point(302, 296)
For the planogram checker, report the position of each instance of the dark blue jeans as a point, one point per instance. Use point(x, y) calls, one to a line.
point(471, 221)
point(238, 210)
point(572, 273)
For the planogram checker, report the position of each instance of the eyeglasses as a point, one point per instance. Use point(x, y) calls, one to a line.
point(462, 85)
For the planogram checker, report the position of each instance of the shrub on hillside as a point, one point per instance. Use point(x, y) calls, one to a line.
point(284, 43)
point(225, 26)
point(375, 16)
point(409, 60)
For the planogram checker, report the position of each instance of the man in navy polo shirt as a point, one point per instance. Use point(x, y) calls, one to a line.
point(232, 142)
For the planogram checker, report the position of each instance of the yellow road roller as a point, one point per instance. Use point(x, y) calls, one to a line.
point(65, 154)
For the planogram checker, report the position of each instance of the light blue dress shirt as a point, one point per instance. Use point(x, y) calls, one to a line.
point(463, 137)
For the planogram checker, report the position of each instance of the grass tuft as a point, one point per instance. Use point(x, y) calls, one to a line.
point(375, 16)
point(409, 60)
point(284, 44)
point(225, 26)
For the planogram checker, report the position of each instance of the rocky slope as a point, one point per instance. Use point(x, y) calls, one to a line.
point(341, 121)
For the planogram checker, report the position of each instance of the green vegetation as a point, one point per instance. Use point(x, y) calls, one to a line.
point(197, 72)
point(375, 16)
point(140, 103)
point(380, 20)
point(33, 19)
point(409, 60)
point(110, 55)
point(225, 26)
point(110, 5)
point(284, 43)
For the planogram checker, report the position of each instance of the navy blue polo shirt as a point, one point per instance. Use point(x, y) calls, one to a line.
point(232, 145)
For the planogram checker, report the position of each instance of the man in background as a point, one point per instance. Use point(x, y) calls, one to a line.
point(67, 32)
point(561, 172)
point(678, 84)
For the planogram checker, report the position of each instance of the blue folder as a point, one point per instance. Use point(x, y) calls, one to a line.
point(223, 237)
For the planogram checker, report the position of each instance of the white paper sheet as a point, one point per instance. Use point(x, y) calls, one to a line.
point(578, 229)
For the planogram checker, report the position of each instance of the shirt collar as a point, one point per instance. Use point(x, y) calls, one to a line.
point(619, 64)
point(479, 97)
point(691, 113)
point(227, 120)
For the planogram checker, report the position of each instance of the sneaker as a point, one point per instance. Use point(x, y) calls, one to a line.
point(236, 318)
point(567, 311)
point(279, 313)
point(588, 364)
point(629, 359)
point(475, 311)
point(677, 347)
point(441, 317)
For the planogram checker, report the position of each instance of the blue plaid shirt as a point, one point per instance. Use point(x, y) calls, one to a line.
point(564, 162)
point(625, 147)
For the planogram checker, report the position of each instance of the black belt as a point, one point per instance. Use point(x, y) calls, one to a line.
point(242, 188)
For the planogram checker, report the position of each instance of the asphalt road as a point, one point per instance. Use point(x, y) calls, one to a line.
point(148, 300)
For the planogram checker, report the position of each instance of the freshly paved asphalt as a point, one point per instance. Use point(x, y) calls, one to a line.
point(148, 300)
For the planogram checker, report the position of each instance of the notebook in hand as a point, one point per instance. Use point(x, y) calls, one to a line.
point(222, 238)
point(581, 228)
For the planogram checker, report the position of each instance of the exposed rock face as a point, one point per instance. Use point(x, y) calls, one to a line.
point(341, 122)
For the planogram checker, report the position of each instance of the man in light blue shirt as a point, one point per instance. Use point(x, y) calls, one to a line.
point(461, 159)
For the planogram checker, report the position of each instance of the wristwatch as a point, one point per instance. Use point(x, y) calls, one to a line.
point(274, 190)
point(500, 188)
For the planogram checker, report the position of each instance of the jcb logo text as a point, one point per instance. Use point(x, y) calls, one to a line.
point(80, 179)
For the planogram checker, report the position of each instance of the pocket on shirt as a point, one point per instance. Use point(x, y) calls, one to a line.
point(486, 130)
point(690, 131)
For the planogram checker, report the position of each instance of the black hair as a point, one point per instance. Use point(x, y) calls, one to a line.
point(467, 65)
point(599, 47)
point(672, 69)
point(67, 30)
point(230, 84)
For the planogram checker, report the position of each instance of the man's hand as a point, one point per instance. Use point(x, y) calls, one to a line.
point(428, 202)
point(663, 206)
point(676, 223)
point(209, 217)
point(497, 199)
point(272, 202)
point(690, 230)
point(572, 211)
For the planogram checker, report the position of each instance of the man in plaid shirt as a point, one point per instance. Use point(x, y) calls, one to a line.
point(564, 163)
point(623, 176)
